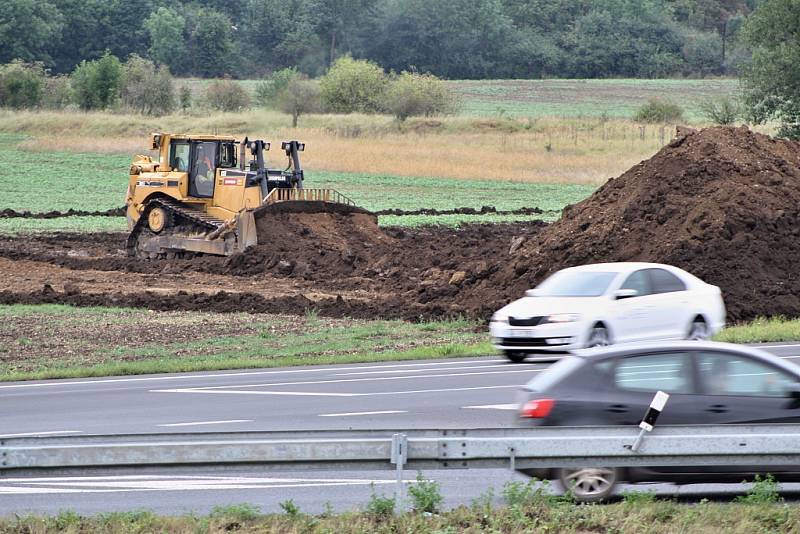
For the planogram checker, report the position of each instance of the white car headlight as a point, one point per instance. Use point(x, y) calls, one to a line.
point(562, 318)
point(499, 319)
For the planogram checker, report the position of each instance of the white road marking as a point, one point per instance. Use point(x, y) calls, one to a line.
point(788, 345)
point(116, 484)
point(344, 380)
point(226, 375)
point(209, 422)
point(48, 433)
point(419, 370)
point(250, 392)
point(246, 392)
point(513, 407)
point(361, 413)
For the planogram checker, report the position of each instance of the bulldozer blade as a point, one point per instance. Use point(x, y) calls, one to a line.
point(307, 206)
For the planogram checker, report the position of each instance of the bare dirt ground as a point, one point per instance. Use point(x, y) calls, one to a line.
point(723, 203)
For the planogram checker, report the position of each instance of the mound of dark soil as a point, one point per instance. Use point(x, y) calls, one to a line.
point(722, 203)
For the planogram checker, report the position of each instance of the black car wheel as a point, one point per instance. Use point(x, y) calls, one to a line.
point(589, 484)
point(515, 355)
point(598, 336)
point(699, 330)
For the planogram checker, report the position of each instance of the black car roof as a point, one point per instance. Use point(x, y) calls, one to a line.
point(615, 351)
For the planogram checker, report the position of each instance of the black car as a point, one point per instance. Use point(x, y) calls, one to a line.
point(708, 383)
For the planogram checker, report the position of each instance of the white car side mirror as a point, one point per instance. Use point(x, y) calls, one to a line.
point(620, 294)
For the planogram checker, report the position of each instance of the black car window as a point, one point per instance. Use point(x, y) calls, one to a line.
point(671, 372)
point(555, 373)
point(665, 282)
point(733, 374)
point(638, 281)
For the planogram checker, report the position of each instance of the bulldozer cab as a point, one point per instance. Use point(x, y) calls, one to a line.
point(201, 159)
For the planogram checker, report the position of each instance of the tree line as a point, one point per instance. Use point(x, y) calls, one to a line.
point(456, 39)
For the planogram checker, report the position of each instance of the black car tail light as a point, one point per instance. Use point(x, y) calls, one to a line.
point(537, 409)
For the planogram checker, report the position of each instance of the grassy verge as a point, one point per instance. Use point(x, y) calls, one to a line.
point(525, 511)
point(53, 341)
point(764, 329)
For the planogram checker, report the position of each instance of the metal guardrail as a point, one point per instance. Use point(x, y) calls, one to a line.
point(763, 445)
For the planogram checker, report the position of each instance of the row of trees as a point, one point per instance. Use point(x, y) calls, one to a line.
point(451, 38)
point(139, 85)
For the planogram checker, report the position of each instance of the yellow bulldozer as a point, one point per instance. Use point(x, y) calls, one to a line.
point(204, 194)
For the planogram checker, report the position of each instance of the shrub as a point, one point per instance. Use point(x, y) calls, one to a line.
point(227, 95)
point(267, 91)
point(56, 93)
point(657, 110)
point(354, 86)
point(722, 111)
point(236, 512)
point(185, 97)
point(147, 89)
point(21, 85)
point(411, 94)
point(765, 490)
point(426, 495)
point(290, 508)
point(298, 97)
point(96, 83)
point(380, 507)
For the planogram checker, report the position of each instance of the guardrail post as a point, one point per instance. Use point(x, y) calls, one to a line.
point(399, 457)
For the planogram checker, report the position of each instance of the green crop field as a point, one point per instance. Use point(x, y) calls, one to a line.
point(589, 98)
point(92, 182)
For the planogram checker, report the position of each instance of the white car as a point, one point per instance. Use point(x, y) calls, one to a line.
point(605, 303)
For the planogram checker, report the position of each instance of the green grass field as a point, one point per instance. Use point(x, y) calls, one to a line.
point(91, 182)
point(585, 98)
point(616, 98)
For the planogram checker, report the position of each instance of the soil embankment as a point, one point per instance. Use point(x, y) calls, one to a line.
point(723, 203)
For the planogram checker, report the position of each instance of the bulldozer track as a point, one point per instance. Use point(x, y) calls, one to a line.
point(202, 221)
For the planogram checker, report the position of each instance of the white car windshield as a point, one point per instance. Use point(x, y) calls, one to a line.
point(575, 284)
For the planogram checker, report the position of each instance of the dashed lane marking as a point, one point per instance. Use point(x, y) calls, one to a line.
point(197, 423)
point(348, 414)
point(513, 407)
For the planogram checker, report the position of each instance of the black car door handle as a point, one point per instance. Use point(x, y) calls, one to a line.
point(717, 408)
point(617, 408)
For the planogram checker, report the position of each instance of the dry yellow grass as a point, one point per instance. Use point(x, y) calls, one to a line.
point(581, 151)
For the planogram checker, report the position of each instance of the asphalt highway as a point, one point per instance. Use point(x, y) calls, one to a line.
point(458, 393)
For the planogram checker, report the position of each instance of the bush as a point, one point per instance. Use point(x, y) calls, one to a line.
point(147, 89)
point(658, 111)
point(413, 94)
point(21, 85)
point(723, 111)
point(185, 97)
point(227, 95)
point(354, 86)
point(765, 490)
point(56, 93)
point(298, 97)
point(380, 507)
point(96, 84)
point(426, 495)
point(267, 91)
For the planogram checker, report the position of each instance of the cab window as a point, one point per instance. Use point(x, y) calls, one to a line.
point(179, 157)
point(665, 282)
point(671, 372)
point(638, 281)
point(732, 374)
point(227, 155)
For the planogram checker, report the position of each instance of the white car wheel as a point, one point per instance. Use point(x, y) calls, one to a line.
point(589, 484)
